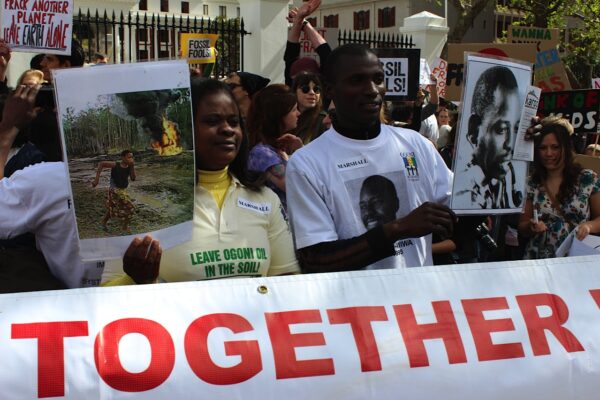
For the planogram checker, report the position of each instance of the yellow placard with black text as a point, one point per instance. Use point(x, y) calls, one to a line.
point(198, 48)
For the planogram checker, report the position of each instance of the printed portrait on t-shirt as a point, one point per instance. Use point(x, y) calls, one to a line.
point(378, 199)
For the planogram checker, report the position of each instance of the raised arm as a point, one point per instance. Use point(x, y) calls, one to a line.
point(313, 35)
point(292, 48)
point(101, 166)
point(297, 16)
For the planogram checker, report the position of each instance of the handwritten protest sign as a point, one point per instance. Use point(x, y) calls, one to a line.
point(38, 25)
point(456, 60)
point(578, 106)
point(402, 69)
point(198, 48)
point(544, 38)
point(550, 74)
point(306, 47)
point(439, 69)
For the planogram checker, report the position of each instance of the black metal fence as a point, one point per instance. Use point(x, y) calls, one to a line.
point(376, 40)
point(140, 36)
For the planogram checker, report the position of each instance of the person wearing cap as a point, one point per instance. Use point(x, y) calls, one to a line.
point(244, 85)
point(293, 63)
point(304, 65)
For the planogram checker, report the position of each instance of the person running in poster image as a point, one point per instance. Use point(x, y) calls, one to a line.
point(325, 177)
point(118, 204)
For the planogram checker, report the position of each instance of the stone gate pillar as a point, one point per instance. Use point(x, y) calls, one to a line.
point(264, 47)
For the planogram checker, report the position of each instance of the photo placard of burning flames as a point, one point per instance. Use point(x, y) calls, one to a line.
point(169, 143)
point(128, 140)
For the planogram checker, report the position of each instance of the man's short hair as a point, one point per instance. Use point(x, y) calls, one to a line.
point(77, 57)
point(332, 64)
point(490, 80)
point(497, 77)
point(125, 152)
point(36, 61)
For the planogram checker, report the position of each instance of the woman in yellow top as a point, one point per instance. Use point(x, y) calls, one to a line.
point(239, 227)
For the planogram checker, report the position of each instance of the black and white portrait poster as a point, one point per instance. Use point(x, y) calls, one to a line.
point(486, 178)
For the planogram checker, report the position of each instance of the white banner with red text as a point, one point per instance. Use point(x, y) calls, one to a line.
point(518, 330)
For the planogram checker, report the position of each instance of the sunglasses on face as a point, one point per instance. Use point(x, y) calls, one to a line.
point(306, 88)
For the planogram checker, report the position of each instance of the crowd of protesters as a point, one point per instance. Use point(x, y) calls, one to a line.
point(323, 149)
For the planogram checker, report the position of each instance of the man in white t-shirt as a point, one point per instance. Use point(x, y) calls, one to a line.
point(325, 180)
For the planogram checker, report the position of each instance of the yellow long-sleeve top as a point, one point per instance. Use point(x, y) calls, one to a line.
point(237, 232)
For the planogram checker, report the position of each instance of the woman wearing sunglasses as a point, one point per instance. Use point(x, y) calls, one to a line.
point(307, 88)
point(272, 116)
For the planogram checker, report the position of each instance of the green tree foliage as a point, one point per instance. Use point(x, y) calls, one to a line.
point(98, 130)
point(581, 43)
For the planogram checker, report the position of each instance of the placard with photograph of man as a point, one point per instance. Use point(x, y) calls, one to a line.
point(487, 180)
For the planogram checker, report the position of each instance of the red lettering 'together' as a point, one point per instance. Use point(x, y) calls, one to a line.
point(51, 341)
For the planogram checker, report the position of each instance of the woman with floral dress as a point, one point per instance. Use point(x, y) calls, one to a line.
point(562, 194)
